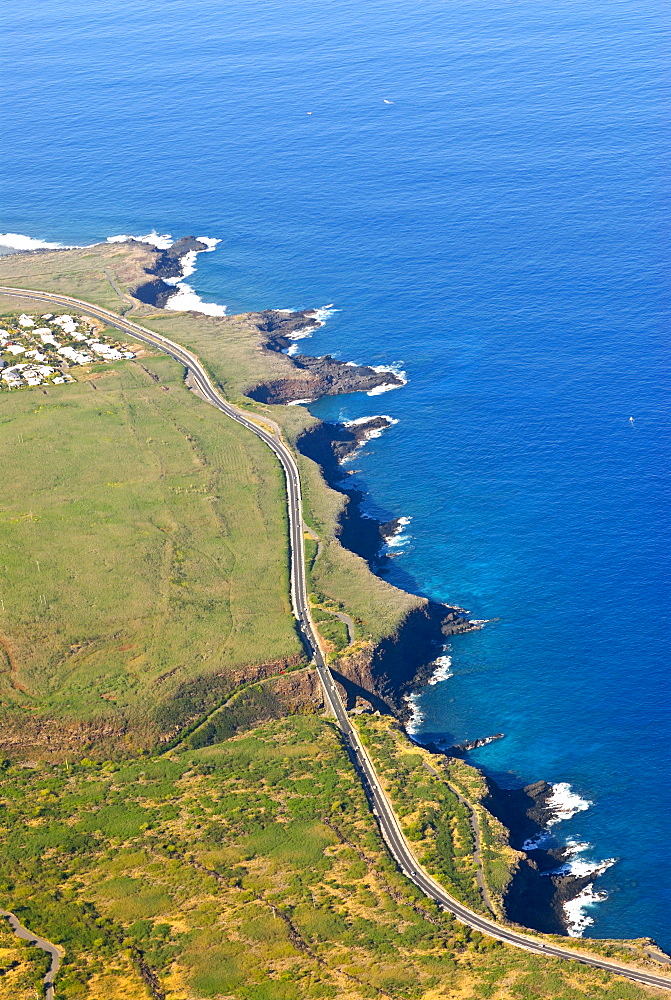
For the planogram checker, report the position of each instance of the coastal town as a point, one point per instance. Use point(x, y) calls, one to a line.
point(35, 350)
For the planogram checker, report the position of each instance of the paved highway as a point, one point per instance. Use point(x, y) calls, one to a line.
point(389, 825)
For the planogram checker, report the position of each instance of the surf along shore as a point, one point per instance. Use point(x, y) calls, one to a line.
point(395, 639)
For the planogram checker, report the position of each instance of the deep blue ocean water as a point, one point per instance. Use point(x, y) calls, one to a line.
point(498, 231)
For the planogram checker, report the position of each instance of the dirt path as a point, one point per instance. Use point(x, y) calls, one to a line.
point(477, 840)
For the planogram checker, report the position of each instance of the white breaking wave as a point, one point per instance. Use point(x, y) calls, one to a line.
point(324, 312)
point(387, 386)
point(300, 402)
point(576, 910)
point(574, 846)
point(539, 841)
point(414, 723)
point(565, 803)
point(19, 242)
point(162, 242)
point(188, 262)
point(211, 242)
point(303, 332)
point(185, 298)
point(364, 420)
point(443, 669)
point(582, 867)
point(399, 538)
point(394, 369)
point(374, 432)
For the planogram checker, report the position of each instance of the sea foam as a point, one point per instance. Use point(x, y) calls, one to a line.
point(565, 803)
point(394, 369)
point(443, 669)
point(185, 298)
point(414, 723)
point(303, 332)
point(369, 435)
point(582, 867)
point(539, 842)
point(399, 538)
point(576, 910)
point(162, 242)
point(19, 242)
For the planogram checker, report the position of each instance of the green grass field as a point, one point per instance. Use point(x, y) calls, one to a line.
point(144, 545)
point(230, 348)
point(248, 870)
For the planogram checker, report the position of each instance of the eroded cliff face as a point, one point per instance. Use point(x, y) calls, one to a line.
point(180, 702)
point(537, 892)
point(382, 676)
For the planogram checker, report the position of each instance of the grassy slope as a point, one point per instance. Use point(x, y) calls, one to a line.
point(189, 861)
point(143, 536)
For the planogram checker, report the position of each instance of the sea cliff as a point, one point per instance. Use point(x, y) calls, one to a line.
point(401, 635)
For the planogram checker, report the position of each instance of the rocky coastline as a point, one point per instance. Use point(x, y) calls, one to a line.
point(316, 376)
point(168, 266)
point(383, 677)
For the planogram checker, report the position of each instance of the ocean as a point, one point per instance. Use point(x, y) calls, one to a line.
point(478, 189)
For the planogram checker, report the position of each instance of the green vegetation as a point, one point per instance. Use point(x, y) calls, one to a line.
point(21, 967)
point(144, 551)
point(247, 870)
point(229, 347)
point(433, 818)
point(144, 603)
point(332, 630)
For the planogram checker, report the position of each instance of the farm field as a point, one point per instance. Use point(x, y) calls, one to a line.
point(144, 548)
point(252, 870)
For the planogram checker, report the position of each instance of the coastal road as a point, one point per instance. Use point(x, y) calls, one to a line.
point(380, 804)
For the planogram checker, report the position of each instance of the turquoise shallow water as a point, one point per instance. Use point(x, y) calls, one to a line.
point(497, 230)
